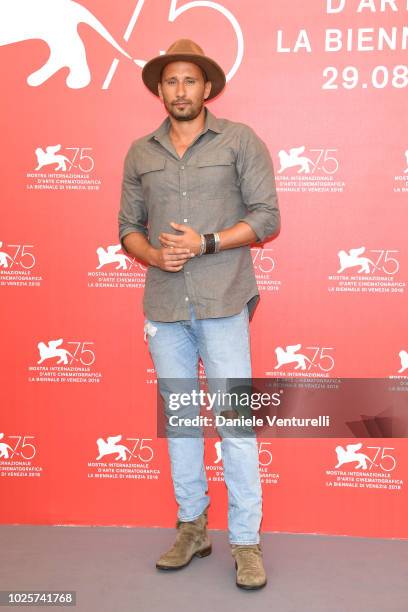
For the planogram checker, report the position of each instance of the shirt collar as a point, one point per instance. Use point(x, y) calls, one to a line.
point(211, 123)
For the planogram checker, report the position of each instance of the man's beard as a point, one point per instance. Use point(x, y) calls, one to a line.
point(191, 114)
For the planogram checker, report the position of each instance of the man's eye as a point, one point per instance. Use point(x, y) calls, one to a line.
point(190, 81)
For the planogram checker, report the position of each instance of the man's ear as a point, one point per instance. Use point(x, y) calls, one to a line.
point(159, 89)
point(207, 89)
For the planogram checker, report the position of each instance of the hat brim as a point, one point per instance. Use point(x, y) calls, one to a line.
point(152, 70)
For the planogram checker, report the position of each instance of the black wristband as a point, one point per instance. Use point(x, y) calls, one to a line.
point(209, 243)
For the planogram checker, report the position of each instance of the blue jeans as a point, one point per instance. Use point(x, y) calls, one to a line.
point(224, 347)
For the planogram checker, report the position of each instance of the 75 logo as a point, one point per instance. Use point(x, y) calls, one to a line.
point(175, 11)
point(23, 449)
point(310, 357)
point(80, 351)
point(113, 446)
point(354, 455)
point(324, 160)
point(262, 260)
point(383, 262)
point(51, 156)
point(21, 256)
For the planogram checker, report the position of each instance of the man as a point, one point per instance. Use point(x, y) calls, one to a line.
point(196, 193)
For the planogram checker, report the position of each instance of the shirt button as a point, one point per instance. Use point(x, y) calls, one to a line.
point(185, 220)
point(186, 299)
point(184, 193)
point(182, 167)
point(187, 272)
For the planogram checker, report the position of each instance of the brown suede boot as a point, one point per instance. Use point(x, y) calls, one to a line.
point(249, 566)
point(191, 540)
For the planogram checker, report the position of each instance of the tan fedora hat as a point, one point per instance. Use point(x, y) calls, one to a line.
point(184, 50)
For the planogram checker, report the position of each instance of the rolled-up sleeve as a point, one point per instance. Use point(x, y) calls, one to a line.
point(257, 182)
point(133, 212)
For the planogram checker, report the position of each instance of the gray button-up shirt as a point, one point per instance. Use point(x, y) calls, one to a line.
point(224, 176)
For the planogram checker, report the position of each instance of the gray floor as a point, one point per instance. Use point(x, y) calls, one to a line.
point(112, 569)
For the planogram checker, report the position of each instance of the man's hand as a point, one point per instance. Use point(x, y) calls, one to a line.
point(176, 250)
point(170, 259)
point(189, 239)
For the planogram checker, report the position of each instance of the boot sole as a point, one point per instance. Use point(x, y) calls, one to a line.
point(200, 553)
point(247, 587)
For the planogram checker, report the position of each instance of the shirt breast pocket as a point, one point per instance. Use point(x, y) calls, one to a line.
point(217, 175)
point(152, 171)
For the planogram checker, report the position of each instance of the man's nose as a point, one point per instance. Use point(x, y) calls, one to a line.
point(180, 89)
